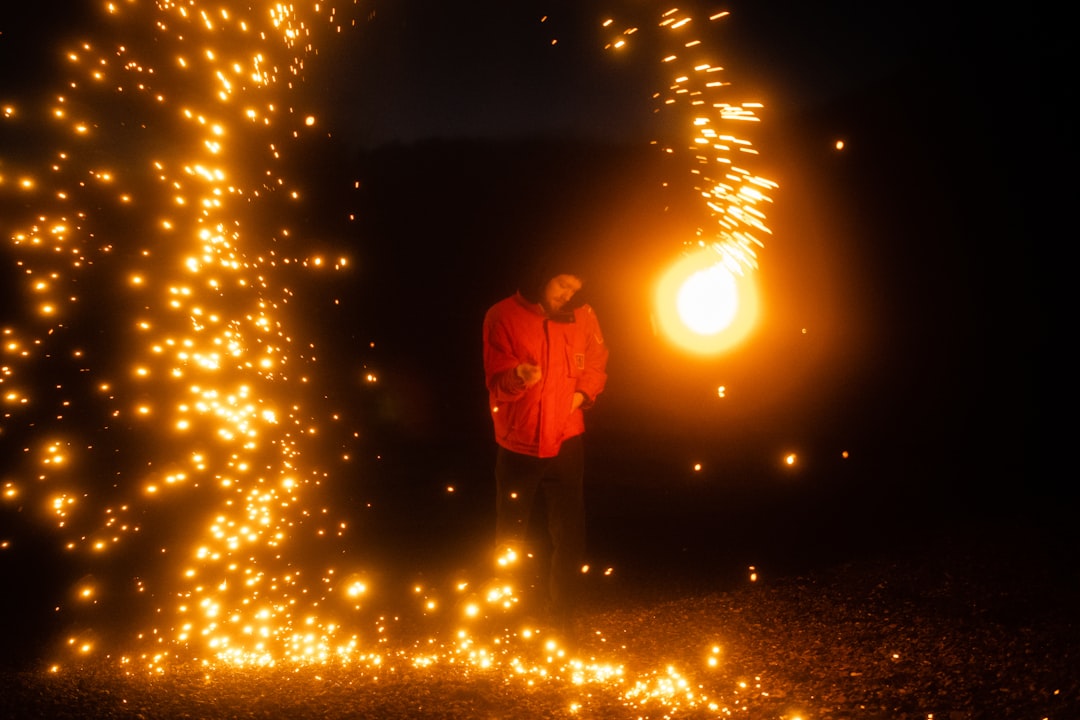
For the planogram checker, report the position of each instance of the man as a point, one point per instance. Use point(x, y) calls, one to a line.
point(544, 363)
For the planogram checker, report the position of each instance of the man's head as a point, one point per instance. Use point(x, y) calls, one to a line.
point(559, 291)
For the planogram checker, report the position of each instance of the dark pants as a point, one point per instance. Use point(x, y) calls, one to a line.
point(559, 479)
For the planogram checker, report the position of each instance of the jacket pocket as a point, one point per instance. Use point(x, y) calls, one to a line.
point(575, 361)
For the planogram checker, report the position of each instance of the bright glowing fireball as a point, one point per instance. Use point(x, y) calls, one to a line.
point(707, 300)
point(704, 306)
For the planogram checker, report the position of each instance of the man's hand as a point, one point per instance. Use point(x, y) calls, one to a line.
point(579, 398)
point(529, 373)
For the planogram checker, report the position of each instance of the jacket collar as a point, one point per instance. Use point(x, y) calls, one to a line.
point(539, 309)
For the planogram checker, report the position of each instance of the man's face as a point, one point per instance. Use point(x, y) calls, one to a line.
point(560, 290)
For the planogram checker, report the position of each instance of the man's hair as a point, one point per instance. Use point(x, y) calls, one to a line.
point(546, 267)
point(562, 255)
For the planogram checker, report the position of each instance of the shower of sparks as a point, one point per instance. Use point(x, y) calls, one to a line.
point(161, 409)
point(155, 390)
point(708, 144)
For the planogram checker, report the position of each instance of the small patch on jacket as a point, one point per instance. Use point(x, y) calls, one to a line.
point(579, 360)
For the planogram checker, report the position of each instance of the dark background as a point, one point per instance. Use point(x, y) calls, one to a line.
point(911, 287)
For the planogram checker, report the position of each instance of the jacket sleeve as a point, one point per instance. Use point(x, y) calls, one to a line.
point(500, 363)
point(594, 377)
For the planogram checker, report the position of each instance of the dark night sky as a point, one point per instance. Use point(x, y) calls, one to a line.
point(490, 69)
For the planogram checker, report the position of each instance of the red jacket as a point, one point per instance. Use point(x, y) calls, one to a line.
point(572, 358)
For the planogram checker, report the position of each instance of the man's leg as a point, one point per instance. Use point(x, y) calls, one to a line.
point(565, 496)
point(517, 478)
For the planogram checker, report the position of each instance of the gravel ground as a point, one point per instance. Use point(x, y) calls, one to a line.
point(983, 631)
